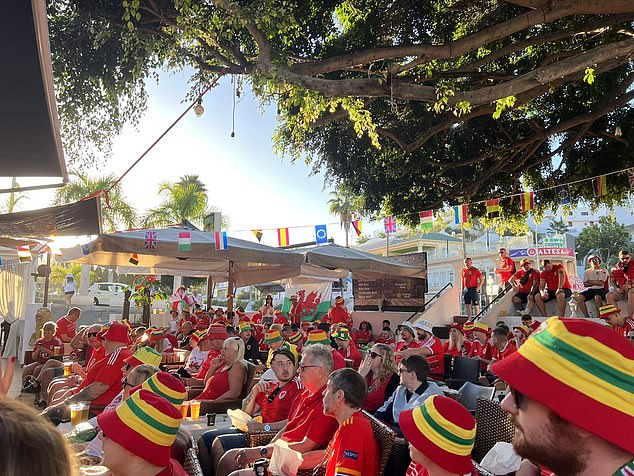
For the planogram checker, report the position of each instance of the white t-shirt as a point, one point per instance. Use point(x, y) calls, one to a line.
point(196, 359)
point(600, 274)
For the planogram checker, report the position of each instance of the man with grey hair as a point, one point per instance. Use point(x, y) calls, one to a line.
point(308, 429)
point(353, 449)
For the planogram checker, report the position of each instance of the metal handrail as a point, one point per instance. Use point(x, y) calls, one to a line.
point(435, 296)
point(495, 299)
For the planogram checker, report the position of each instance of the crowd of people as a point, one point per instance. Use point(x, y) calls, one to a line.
point(568, 376)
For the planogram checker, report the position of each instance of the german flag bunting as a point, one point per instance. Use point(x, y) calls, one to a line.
point(493, 208)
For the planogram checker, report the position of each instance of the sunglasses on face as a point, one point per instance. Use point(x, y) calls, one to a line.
point(92, 334)
point(126, 384)
point(518, 398)
point(624, 258)
point(373, 355)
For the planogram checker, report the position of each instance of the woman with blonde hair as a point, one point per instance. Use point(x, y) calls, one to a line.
point(43, 349)
point(379, 371)
point(227, 373)
point(30, 445)
point(457, 344)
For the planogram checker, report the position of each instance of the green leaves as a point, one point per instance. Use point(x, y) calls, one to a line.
point(588, 76)
point(502, 104)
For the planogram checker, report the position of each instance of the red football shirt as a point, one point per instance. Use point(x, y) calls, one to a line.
point(354, 449)
point(338, 315)
point(470, 277)
point(505, 275)
point(204, 368)
point(49, 348)
point(437, 358)
point(352, 353)
point(280, 407)
point(508, 349)
point(307, 419)
point(552, 278)
point(402, 346)
point(339, 362)
point(107, 371)
point(64, 326)
point(478, 350)
point(95, 356)
point(628, 325)
point(533, 277)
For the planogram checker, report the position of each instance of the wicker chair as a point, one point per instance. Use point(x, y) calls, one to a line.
point(399, 459)
point(191, 464)
point(493, 426)
point(221, 406)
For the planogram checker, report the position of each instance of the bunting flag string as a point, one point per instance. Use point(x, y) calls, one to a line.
point(600, 186)
point(630, 176)
point(321, 234)
point(24, 254)
point(389, 224)
point(220, 237)
point(258, 234)
point(460, 214)
point(283, 237)
point(426, 221)
point(357, 225)
point(528, 201)
point(562, 192)
point(493, 208)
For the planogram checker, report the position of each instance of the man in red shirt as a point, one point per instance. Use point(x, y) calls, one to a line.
point(431, 348)
point(501, 346)
point(528, 321)
point(553, 284)
point(339, 314)
point(471, 285)
point(480, 347)
point(67, 325)
point(214, 338)
point(307, 429)
point(354, 449)
point(525, 284)
point(506, 268)
point(103, 380)
point(621, 325)
point(346, 347)
point(622, 282)
point(409, 342)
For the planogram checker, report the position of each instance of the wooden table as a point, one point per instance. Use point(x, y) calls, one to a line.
point(199, 426)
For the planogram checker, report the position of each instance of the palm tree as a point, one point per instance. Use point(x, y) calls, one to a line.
point(14, 197)
point(118, 214)
point(557, 226)
point(342, 205)
point(182, 200)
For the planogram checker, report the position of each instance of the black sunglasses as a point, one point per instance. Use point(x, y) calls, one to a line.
point(92, 334)
point(126, 384)
point(373, 355)
point(518, 397)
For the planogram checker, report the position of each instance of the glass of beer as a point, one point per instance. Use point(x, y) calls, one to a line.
point(184, 407)
point(194, 405)
point(68, 365)
point(78, 413)
point(57, 351)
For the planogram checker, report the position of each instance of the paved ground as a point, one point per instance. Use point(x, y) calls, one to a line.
point(90, 314)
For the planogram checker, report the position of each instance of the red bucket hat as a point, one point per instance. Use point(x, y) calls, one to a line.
point(216, 331)
point(443, 430)
point(144, 424)
point(117, 332)
point(582, 371)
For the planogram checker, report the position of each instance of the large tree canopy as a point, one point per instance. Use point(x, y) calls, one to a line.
point(409, 104)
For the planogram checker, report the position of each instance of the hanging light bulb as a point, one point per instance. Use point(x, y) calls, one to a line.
point(199, 110)
point(618, 132)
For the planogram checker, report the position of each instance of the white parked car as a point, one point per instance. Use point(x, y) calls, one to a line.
point(107, 293)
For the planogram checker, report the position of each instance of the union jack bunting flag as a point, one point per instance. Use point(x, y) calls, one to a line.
point(151, 240)
point(389, 224)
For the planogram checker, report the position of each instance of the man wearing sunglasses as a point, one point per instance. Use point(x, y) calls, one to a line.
point(595, 279)
point(622, 282)
point(570, 399)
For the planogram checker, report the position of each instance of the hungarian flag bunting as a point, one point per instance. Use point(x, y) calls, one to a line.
point(493, 208)
point(600, 186)
point(134, 259)
point(426, 220)
point(528, 201)
point(356, 224)
point(24, 254)
point(460, 214)
point(258, 234)
point(282, 237)
point(221, 240)
point(184, 241)
point(389, 224)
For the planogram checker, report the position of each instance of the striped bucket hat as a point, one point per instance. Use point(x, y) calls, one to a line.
point(245, 326)
point(296, 337)
point(467, 327)
point(481, 327)
point(145, 355)
point(605, 311)
point(342, 333)
point(443, 430)
point(273, 336)
point(317, 337)
point(582, 371)
point(144, 424)
point(524, 329)
point(167, 386)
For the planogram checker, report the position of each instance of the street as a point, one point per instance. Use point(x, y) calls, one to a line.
point(90, 314)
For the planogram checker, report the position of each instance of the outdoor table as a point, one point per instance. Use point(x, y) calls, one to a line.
point(199, 426)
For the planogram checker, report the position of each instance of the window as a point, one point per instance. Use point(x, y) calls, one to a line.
point(585, 214)
point(591, 223)
point(569, 223)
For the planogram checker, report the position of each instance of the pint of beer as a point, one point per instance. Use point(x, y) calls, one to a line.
point(194, 405)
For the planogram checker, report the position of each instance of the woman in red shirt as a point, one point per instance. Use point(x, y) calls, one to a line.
point(364, 335)
point(227, 373)
point(457, 345)
point(43, 349)
point(379, 371)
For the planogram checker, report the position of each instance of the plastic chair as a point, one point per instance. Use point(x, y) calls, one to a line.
point(465, 369)
point(470, 393)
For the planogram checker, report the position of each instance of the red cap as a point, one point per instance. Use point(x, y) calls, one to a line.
point(117, 332)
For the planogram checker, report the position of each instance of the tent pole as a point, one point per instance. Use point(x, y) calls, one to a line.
point(47, 278)
point(210, 288)
point(230, 288)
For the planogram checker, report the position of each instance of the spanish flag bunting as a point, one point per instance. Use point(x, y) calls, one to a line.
point(258, 234)
point(24, 254)
point(600, 185)
point(528, 201)
point(460, 214)
point(356, 224)
point(282, 237)
point(493, 208)
point(426, 220)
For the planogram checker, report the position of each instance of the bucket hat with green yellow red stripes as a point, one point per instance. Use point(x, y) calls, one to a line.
point(582, 371)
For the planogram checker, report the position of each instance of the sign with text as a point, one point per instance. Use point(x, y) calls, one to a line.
point(401, 294)
point(543, 252)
